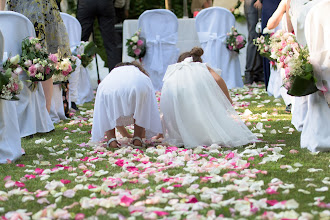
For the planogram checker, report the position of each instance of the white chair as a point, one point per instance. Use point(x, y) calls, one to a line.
point(212, 25)
point(80, 87)
point(160, 29)
point(10, 140)
point(31, 107)
point(315, 135)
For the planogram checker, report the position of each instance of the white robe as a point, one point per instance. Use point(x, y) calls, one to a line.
point(125, 95)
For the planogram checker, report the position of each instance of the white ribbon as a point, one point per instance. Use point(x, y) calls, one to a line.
point(173, 68)
point(212, 41)
point(156, 48)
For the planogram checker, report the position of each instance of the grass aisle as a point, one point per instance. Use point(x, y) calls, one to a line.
point(61, 177)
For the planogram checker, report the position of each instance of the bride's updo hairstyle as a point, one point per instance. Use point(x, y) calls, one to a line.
point(134, 63)
point(195, 53)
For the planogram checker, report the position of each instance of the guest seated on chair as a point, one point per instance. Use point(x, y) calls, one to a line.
point(196, 106)
point(126, 96)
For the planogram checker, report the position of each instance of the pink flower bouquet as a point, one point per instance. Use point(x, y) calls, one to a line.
point(10, 84)
point(63, 68)
point(235, 41)
point(35, 61)
point(136, 46)
point(86, 52)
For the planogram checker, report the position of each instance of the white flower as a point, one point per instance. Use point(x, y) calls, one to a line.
point(15, 59)
point(65, 64)
point(135, 39)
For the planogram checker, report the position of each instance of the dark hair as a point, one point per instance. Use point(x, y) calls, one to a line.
point(134, 63)
point(195, 53)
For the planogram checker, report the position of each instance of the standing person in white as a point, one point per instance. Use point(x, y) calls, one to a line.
point(196, 106)
point(315, 135)
point(125, 96)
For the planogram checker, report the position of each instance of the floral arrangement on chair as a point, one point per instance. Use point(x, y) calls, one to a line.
point(86, 52)
point(35, 60)
point(10, 84)
point(238, 11)
point(62, 67)
point(136, 46)
point(297, 76)
point(235, 41)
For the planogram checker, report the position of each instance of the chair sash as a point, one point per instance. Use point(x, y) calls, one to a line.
point(210, 41)
point(156, 47)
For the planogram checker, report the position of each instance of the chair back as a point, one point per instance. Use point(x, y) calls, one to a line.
point(317, 32)
point(15, 27)
point(73, 28)
point(212, 26)
point(160, 29)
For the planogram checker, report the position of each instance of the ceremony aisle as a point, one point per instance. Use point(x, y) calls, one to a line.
point(61, 177)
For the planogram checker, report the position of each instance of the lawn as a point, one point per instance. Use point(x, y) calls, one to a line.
point(62, 177)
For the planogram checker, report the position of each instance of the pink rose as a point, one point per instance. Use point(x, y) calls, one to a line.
point(68, 71)
point(140, 42)
point(38, 46)
point(230, 47)
point(32, 70)
point(137, 52)
point(240, 46)
point(53, 58)
point(47, 70)
point(14, 87)
point(239, 39)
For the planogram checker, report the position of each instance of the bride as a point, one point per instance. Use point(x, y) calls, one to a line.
point(196, 106)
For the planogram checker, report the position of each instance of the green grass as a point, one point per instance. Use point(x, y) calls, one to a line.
point(46, 156)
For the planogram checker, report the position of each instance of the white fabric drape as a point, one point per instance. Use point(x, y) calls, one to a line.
point(10, 141)
point(298, 12)
point(80, 87)
point(125, 95)
point(195, 110)
point(212, 25)
point(315, 135)
point(33, 116)
point(160, 29)
point(57, 108)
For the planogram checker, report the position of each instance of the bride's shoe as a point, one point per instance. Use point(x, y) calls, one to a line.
point(137, 146)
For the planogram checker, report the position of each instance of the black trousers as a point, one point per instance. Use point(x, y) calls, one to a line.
point(253, 68)
point(104, 11)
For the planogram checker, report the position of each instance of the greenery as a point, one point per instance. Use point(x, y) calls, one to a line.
point(64, 161)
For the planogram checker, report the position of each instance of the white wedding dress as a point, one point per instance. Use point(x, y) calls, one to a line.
point(125, 95)
point(315, 135)
point(195, 110)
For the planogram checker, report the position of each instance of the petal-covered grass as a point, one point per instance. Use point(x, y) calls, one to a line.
point(62, 177)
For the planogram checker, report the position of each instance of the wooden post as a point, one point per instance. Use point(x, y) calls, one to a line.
point(168, 4)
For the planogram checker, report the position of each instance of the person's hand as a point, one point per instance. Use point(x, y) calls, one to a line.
point(257, 4)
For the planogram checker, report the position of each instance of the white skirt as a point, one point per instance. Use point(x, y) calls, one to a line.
point(32, 113)
point(125, 95)
point(57, 107)
point(195, 110)
point(315, 135)
point(10, 140)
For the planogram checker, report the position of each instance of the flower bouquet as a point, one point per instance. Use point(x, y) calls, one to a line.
point(136, 46)
point(235, 41)
point(35, 60)
point(10, 84)
point(297, 76)
point(62, 68)
point(263, 46)
point(86, 52)
point(238, 12)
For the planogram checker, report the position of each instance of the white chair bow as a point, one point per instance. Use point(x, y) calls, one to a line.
point(156, 45)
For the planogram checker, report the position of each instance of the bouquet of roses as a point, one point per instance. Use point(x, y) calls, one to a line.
point(238, 11)
point(86, 52)
point(235, 41)
point(263, 46)
point(297, 76)
point(63, 67)
point(136, 46)
point(10, 84)
point(35, 60)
